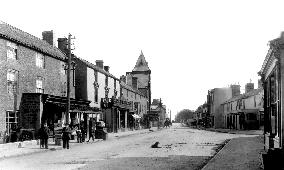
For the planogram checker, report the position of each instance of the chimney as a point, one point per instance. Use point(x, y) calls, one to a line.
point(100, 63)
point(62, 44)
point(123, 78)
point(134, 82)
point(236, 90)
point(48, 36)
point(249, 87)
point(106, 68)
point(129, 79)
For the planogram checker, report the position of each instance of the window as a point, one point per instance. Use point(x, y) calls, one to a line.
point(62, 68)
point(39, 60)
point(96, 86)
point(12, 119)
point(12, 79)
point(11, 51)
point(39, 85)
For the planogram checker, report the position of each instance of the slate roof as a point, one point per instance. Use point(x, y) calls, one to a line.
point(244, 96)
point(18, 36)
point(130, 88)
point(141, 64)
point(95, 67)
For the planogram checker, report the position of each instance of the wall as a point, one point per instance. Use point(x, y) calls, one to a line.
point(220, 96)
point(28, 72)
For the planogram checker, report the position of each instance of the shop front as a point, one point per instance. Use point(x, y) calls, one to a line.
point(36, 109)
point(116, 114)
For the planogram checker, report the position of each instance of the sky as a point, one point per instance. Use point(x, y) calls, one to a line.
point(190, 46)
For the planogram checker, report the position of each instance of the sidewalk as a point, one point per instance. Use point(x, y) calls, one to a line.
point(238, 154)
point(234, 131)
point(30, 147)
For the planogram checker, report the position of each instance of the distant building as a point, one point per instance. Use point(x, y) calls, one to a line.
point(140, 80)
point(215, 98)
point(158, 113)
point(244, 111)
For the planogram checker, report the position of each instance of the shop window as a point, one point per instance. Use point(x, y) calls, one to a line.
point(12, 51)
point(12, 81)
point(39, 85)
point(40, 60)
point(12, 120)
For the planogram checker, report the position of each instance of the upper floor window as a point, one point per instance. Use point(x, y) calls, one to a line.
point(62, 68)
point(12, 81)
point(11, 51)
point(39, 60)
point(39, 85)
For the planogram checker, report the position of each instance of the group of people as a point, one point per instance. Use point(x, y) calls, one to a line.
point(80, 131)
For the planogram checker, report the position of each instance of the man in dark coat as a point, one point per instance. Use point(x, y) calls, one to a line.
point(65, 137)
point(44, 134)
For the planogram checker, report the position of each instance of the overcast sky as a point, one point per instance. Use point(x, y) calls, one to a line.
point(190, 46)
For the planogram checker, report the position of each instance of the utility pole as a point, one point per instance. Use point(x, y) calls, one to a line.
point(68, 78)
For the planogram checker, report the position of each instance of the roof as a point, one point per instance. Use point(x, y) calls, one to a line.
point(95, 67)
point(18, 36)
point(245, 95)
point(141, 64)
point(124, 85)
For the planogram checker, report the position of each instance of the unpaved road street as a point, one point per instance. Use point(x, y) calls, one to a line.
point(180, 148)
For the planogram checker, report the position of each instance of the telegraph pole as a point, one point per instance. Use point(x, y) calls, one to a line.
point(68, 78)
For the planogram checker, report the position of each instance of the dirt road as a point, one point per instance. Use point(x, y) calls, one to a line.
point(179, 148)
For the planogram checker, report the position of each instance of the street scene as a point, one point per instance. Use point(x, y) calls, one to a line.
point(179, 147)
point(149, 85)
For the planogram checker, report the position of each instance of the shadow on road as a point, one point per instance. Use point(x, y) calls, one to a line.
point(149, 163)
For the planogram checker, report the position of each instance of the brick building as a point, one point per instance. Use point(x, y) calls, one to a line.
point(33, 87)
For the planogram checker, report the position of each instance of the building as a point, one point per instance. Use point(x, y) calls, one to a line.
point(133, 118)
point(244, 111)
point(215, 98)
point(96, 84)
point(141, 78)
point(200, 115)
point(158, 113)
point(143, 74)
point(272, 77)
point(33, 76)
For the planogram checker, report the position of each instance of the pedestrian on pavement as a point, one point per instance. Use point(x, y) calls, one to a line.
point(79, 134)
point(91, 133)
point(44, 134)
point(65, 137)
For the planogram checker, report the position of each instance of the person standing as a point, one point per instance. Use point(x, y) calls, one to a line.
point(66, 137)
point(44, 134)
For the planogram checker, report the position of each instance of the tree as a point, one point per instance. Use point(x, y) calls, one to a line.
point(184, 115)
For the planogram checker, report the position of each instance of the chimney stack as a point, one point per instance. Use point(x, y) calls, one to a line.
point(100, 63)
point(236, 90)
point(62, 44)
point(134, 82)
point(249, 87)
point(48, 37)
point(106, 68)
